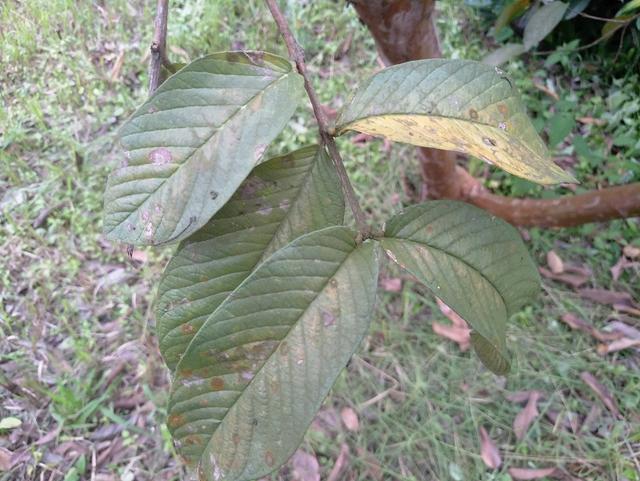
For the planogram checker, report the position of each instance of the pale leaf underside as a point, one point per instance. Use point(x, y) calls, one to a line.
point(457, 105)
point(188, 148)
point(255, 374)
point(282, 199)
point(476, 263)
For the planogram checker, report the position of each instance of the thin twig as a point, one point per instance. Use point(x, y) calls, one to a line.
point(602, 19)
point(297, 55)
point(158, 45)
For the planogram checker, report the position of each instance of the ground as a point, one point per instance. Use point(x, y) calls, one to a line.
point(82, 387)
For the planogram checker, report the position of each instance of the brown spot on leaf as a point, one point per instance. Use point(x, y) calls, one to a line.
point(217, 384)
point(160, 156)
point(328, 319)
point(259, 152)
point(503, 109)
point(175, 420)
point(473, 114)
point(268, 458)
point(187, 328)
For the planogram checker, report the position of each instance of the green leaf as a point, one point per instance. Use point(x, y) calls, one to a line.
point(167, 70)
point(457, 105)
point(476, 263)
point(188, 148)
point(629, 7)
point(542, 22)
point(560, 125)
point(10, 423)
point(575, 8)
point(282, 199)
point(509, 12)
point(504, 54)
point(254, 376)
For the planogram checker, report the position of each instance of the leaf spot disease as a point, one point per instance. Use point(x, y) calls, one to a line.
point(148, 230)
point(187, 328)
point(259, 152)
point(213, 194)
point(328, 319)
point(268, 458)
point(217, 384)
point(473, 114)
point(160, 156)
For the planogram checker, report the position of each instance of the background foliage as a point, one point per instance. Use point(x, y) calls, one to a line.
point(78, 369)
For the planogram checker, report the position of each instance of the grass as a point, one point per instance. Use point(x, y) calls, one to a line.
point(78, 362)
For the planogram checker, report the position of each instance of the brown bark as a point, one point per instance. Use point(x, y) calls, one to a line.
point(405, 30)
point(571, 210)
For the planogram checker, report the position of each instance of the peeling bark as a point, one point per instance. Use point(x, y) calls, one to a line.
point(405, 30)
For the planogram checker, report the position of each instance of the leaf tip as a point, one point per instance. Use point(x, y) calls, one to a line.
point(493, 358)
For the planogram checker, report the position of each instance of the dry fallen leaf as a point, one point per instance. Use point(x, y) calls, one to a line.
point(580, 324)
point(523, 420)
point(139, 256)
point(524, 474)
point(555, 262)
point(459, 335)
point(573, 280)
point(5, 459)
point(521, 396)
point(591, 120)
point(627, 309)
point(631, 252)
point(305, 467)
point(350, 419)
point(340, 465)
point(603, 296)
point(452, 315)
point(602, 392)
point(372, 468)
point(391, 284)
point(624, 329)
point(618, 345)
point(488, 450)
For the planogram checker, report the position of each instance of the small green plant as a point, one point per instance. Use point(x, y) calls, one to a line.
point(269, 292)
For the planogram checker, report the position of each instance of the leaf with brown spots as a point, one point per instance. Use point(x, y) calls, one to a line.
point(458, 105)
point(201, 131)
point(282, 199)
point(254, 375)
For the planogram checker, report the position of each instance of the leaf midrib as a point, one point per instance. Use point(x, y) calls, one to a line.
point(346, 127)
point(259, 370)
point(262, 258)
point(428, 246)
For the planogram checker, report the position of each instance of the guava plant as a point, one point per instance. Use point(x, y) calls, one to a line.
point(269, 293)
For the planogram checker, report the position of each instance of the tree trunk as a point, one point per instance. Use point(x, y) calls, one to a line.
point(405, 30)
